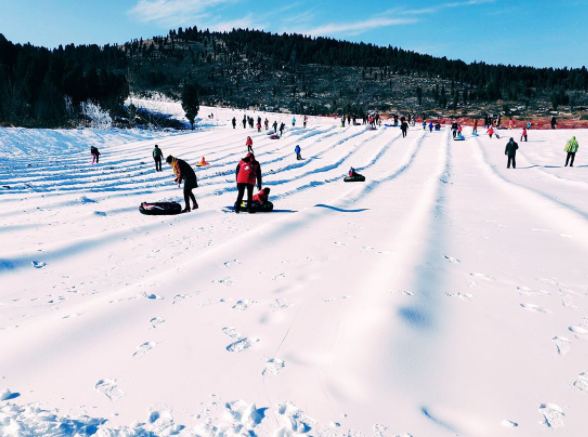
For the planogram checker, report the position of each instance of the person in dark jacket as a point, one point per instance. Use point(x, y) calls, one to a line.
point(282, 127)
point(511, 152)
point(95, 154)
point(248, 172)
point(454, 128)
point(157, 155)
point(297, 150)
point(184, 171)
point(234, 121)
point(404, 129)
point(553, 122)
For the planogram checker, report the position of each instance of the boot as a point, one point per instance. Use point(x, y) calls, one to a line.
point(186, 209)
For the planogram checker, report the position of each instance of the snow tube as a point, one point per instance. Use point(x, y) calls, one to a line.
point(160, 208)
point(257, 207)
point(274, 137)
point(459, 138)
point(356, 178)
point(199, 164)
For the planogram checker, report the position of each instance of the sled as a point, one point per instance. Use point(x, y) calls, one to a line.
point(459, 138)
point(199, 164)
point(160, 208)
point(355, 178)
point(274, 137)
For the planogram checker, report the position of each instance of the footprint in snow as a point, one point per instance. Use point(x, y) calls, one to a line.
point(534, 308)
point(226, 281)
point(100, 213)
point(582, 382)
point(179, 298)
point(143, 349)
point(339, 243)
point(526, 291)
point(231, 264)
point(550, 281)
point(279, 277)
point(509, 424)
point(109, 388)
point(156, 322)
point(450, 259)
point(461, 296)
point(563, 345)
point(482, 276)
point(566, 236)
point(231, 332)
point(242, 305)
point(553, 415)
point(242, 344)
point(38, 264)
point(273, 366)
point(151, 296)
point(281, 303)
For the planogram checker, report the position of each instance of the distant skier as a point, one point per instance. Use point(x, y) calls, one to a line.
point(157, 155)
point(297, 150)
point(234, 121)
point(511, 152)
point(404, 129)
point(553, 122)
point(524, 135)
point(95, 154)
point(293, 121)
point(248, 172)
point(183, 171)
point(454, 128)
point(249, 144)
point(571, 148)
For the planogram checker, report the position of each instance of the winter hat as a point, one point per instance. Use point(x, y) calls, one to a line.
point(169, 159)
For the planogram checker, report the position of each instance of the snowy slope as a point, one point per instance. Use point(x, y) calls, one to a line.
point(445, 296)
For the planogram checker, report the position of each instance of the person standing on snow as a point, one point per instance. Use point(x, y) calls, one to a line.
point(511, 152)
point(275, 126)
point(454, 128)
point(553, 122)
point(249, 144)
point(297, 150)
point(490, 131)
point(244, 122)
point(404, 129)
point(95, 154)
point(304, 121)
point(282, 127)
point(248, 172)
point(183, 171)
point(157, 155)
point(524, 135)
point(475, 131)
point(234, 122)
point(293, 121)
point(266, 123)
point(571, 148)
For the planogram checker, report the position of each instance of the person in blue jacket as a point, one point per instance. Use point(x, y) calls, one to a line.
point(297, 150)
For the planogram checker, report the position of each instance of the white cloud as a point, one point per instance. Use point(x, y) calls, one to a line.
point(434, 9)
point(358, 27)
point(171, 13)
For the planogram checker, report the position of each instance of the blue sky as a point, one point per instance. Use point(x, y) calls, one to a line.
point(539, 33)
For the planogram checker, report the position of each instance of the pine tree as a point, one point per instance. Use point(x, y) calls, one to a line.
point(190, 103)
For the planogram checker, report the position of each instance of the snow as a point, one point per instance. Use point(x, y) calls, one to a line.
point(444, 296)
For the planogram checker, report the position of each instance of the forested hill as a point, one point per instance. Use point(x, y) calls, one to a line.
point(293, 72)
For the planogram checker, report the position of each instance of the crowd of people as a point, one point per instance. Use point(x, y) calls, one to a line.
point(248, 171)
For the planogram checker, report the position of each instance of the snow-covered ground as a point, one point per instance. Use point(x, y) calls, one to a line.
point(445, 296)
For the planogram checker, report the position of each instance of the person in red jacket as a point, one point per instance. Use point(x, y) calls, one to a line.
point(248, 172)
point(262, 197)
point(249, 144)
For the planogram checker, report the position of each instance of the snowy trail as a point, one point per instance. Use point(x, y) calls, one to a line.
point(442, 297)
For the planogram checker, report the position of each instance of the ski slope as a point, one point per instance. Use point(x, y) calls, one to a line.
point(445, 296)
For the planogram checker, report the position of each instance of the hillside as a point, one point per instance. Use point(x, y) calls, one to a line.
point(247, 68)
